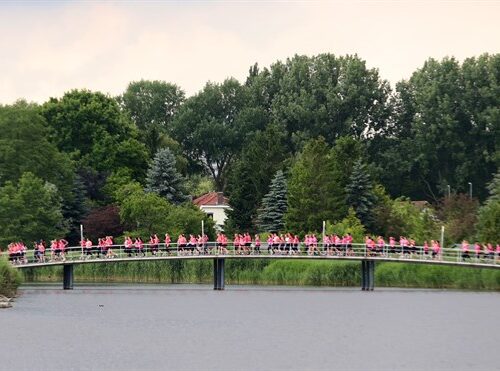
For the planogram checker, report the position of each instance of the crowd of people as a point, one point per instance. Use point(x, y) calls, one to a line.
point(245, 244)
point(17, 251)
point(481, 251)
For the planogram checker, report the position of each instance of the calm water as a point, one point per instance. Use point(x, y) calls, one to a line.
point(187, 327)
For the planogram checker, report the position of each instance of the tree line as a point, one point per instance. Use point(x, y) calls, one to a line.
point(306, 140)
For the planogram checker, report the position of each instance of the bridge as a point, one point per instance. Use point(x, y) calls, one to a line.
point(356, 252)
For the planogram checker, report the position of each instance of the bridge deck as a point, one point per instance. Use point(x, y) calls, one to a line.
point(412, 260)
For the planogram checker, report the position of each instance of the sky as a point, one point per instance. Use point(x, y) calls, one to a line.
point(50, 47)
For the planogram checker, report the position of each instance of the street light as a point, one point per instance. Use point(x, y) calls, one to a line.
point(449, 191)
point(470, 190)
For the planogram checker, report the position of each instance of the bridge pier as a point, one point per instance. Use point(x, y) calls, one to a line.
point(367, 275)
point(218, 274)
point(68, 276)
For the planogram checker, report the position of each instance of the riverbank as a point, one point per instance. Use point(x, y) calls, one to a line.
point(10, 279)
point(281, 272)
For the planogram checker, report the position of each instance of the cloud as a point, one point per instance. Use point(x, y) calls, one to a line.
point(103, 46)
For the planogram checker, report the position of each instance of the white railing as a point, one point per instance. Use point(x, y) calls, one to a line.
point(356, 250)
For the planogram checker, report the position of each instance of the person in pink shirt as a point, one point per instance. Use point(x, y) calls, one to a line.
point(489, 251)
point(309, 244)
point(139, 247)
point(153, 244)
point(224, 244)
point(348, 246)
point(477, 250)
point(199, 245)
point(54, 250)
point(436, 249)
point(327, 248)
point(236, 243)
point(426, 248)
point(103, 248)
point(62, 243)
point(181, 244)
point(270, 247)
point(248, 242)
point(167, 242)
point(465, 250)
point(295, 246)
point(392, 245)
point(370, 246)
point(257, 244)
point(277, 244)
point(88, 247)
point(191, 244)
point(41, 251)
point(108, 242)
point(129, 246)
point(403, 243)
point(381, 245)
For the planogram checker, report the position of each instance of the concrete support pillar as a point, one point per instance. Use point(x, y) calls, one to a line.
point(68, 277)
point(219, 274)
point(364, 275)
point(371, 275)
point(367, 275)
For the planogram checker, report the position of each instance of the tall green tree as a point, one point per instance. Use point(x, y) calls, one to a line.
point(25, 147)
point(30, 210)
point(310, 188)
point(211, 128)
point(447, 121)
point(164, 179)
point(274, 205)
point(91, 127)
point(74, 210)
point(344, 154)
point(152, 102)
point(360, 195)
point(251, 175)
point(323, 95)
point(152, 105)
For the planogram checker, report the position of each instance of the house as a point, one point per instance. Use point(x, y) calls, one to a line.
point(215, 205)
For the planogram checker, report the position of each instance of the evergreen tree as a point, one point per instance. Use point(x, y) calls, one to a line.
point(344, 154)
point(164, 179)
point(75, 210)
point(274, 205)
point(250, 177)
point(310, 189)
point(360, 195)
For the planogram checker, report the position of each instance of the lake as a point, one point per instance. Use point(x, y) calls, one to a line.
point(192, 327)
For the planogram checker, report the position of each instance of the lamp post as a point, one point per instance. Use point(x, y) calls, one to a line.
point(449, 191)
point(470, 190)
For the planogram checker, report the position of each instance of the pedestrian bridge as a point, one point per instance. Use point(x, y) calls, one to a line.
point(357, 252)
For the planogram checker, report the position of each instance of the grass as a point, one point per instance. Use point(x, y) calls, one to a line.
point(277, 272)
point(10, 279)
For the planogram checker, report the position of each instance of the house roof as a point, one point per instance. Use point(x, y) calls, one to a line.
point(211, 198)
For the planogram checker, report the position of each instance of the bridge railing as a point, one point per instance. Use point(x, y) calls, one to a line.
point(319, 250)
